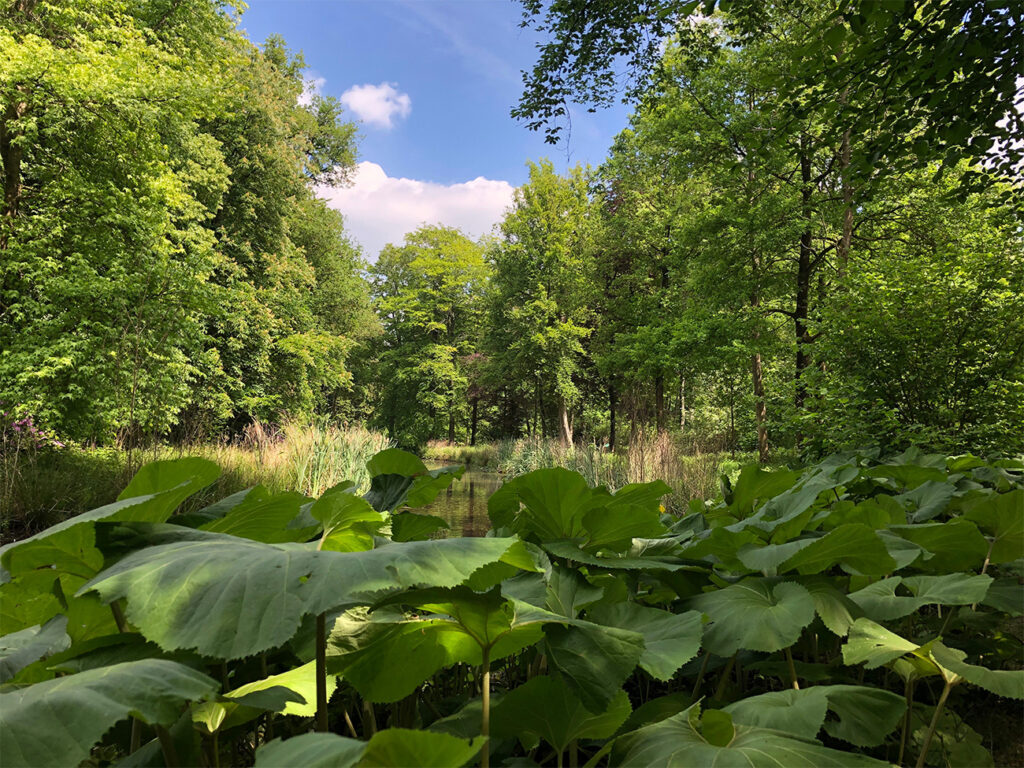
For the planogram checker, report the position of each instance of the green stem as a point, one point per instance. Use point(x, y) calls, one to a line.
point(321, 673)
point(167, 745)
point(485, 718)
point(908, 694)
point(723, 681)
point(935, 722)
point(700, 676)
point(792, 669)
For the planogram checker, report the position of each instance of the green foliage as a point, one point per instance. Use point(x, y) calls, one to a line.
point(592, 620)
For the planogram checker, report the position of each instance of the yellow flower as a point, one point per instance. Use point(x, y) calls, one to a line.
point(661, 507)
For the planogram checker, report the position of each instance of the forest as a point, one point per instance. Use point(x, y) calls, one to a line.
point(751, 389)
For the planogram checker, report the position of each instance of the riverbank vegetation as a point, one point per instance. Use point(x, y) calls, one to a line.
point(858, 613)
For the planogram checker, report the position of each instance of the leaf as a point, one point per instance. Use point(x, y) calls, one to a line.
point(670, 639)
point(19, 649)
point(853, 545)
point(755, 484)
point(412, 526)
point(554, 503)
point(294, 693)
point(228, 597)
point(311, 750)
point(801, 712)
point(865, 715)
point(755, 616)
point(1008, 683)
point(568, 592)
point(57, 722)
point(263, 516)
point(955, 546)
point(394, 461)
point(676, 741)
point(1002, 517)
point(400, 748)
point(548, 709)
point(928, 500)
point(594, 661)
point(152, 495)
point(173, 480)
point(881, 603)
point(874, 645)
point(837, 611)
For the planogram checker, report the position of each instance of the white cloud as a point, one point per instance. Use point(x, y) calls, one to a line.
point(311, 87)
point(379, 209)
point(377, 104)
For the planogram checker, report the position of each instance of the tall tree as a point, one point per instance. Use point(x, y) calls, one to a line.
point(540, 311)
point(428, 297)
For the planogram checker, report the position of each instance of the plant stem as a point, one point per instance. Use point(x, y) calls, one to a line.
point(908, 694)
point(167, 746)
point(792, 669)
point(321, 673)
point(485, 718)
point(935, 722)
point(723, 681)
point(122, 625)
point(700, 676)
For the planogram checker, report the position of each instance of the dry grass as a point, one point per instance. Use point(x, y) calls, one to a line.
point(40, 488)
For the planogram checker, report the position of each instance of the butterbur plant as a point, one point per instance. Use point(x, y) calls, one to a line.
point(836, 616)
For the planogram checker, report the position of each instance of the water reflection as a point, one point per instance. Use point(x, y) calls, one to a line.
point(464, 504)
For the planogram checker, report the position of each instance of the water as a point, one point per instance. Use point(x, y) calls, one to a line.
point(464, 504)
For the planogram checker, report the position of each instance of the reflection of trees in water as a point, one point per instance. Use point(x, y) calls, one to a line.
point(464, 505)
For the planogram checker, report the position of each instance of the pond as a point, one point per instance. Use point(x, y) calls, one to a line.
point(464, 504)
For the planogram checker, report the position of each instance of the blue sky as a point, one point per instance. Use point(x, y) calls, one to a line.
point(432, 83)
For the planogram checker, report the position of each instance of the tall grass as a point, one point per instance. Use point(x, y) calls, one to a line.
point(482, 456)
point(646, 458)
point(41, 487)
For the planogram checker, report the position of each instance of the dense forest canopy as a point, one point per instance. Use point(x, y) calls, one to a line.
point(806, 237)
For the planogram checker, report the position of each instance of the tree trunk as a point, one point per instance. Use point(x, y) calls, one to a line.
point(843, 251)
point(472, 423)
point(759, 407)
point(611, 417)
point(682, 403)
point(10, 160)
point(565, 426)
point(451, 423)
point(803, 281)
point(659, 401)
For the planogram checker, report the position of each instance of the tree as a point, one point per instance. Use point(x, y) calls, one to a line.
point(428, 297)
point(539, 309)
point(927, 79)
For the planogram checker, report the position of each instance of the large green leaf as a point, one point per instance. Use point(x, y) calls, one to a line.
point(399, 479)
point(853, 545)
point(755, 615)
point(865, 715)
point(229, 597)
point(956, 545)
point(928, 500)
point(715, 741)
point(873, 645)
point(57, 722)
point(554, 503)
point(152, 495)
point(311, 750)
point(393, 748)
point(412, 526)
point(881, 603)
point(670, 639)
point(19, 649)
point(400, 748)
point(293, 693)
point(836, 609)
point(755, 484)
point(263, 516)
point(1009, 683)
point(593, 660)
point(1001, 516)
point(548, 709)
